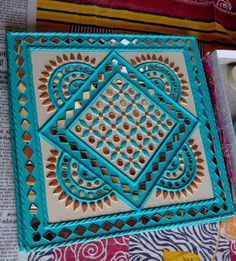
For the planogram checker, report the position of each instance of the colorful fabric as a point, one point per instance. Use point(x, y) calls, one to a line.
point(114, 249)
point(209, 21)
point(187, 239)
point(216, 241)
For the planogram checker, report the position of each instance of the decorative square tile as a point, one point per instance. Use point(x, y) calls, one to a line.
point(112, 135)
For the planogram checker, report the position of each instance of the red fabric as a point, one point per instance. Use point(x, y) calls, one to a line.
point(232, 251)
point(220, 11)
point(172, 8)
point(112, 249)
point(226, 18)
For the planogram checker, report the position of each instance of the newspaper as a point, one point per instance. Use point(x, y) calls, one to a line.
point(8, 238)
point(13, 16)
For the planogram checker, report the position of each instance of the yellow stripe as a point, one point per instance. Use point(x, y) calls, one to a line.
point(80, 19)
point(137, 17)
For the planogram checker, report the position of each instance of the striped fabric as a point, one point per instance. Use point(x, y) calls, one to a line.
point(211, 22)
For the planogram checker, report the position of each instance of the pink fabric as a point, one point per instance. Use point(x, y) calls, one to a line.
point(220, 11)
point(233, 251)
point(112, 249)
point(211, 85)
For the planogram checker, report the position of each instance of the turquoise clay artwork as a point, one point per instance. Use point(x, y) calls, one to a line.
point(111, 135)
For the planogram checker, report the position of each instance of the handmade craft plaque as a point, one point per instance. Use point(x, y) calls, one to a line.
point(112, 135)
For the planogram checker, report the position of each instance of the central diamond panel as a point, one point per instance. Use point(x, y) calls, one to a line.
point(124, 127)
